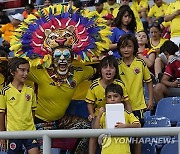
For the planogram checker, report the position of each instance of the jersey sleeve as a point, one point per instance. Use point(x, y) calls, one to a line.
point(3, 105)
point(146, 74)
point(90, 97)
point(169, 70)
point(132, 119)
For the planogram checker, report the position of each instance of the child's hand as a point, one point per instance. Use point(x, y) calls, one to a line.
point(150, 105)
point(120, 125)
point(3, 145)
point(91, 117)
point(101, 110)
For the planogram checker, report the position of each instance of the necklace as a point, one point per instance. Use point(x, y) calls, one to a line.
point(60, 79)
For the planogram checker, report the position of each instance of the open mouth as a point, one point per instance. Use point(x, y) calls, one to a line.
point(108, 75)
point(62, 66)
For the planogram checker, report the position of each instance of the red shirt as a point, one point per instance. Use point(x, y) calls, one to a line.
point(173, 68)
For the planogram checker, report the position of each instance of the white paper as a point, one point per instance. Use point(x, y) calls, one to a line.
point(114, 114)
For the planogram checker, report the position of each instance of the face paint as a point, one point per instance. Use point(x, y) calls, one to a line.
point(62, 60)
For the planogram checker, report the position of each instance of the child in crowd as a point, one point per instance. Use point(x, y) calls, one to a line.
point(125, 22)
point(95, 97)
point(144, 51)
point(170, 84)
point(114, 95)
point(133, 72)
point(29, 9)
point(167, 52)
point(155, 37)
point(18, 104)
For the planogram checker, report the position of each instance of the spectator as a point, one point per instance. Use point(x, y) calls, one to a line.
point(170, 84)
point(144, 51)
point(96, 94)
point(157, 11)
point(173, 14)
point(114, 95)
point(133, 72)
point(110, 5)
point(3, 17)
point(124, 23)
point(47, 3)
point(168, 51)
point(29, 9)
point(8, 29)
point(155, 37)
point(18, 104)
point(138, 20)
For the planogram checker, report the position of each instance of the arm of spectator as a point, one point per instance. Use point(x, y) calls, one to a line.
point(172, 16)
point(122, 125)
point(127, 106)
point(150, 60)
point(113, 46)
point(2, 128)
point(166, 82)
point(150, 92)
point(98, 118)
point(91, 111)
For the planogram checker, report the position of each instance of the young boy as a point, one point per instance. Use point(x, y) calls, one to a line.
point(17, 105)
point(114, 95)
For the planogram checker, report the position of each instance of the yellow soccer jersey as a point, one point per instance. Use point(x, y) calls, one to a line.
point(175, 26)
point(53, 100)
point(161, 42)
point(108, 7)
point(18, 106)
point(133, 76)
point(96, 94)
point(138, 6)
point(138, 20)
point(156, 11)
point(95, 13)
point(117, 145)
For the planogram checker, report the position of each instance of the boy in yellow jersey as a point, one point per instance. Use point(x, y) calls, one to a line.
point(157, 11)
point(114, 95)
point(100, 11)
point(173, 14)
point(18, 103)
point(96, 94)
point(133, 72)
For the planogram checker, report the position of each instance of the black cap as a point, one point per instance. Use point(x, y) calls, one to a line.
point(98, 2)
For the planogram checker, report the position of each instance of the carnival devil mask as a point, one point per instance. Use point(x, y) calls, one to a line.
point(62, 60)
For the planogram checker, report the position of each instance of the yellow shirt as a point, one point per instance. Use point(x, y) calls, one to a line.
point(138, 20)
point(95, 13)
point(138, 6)
point(175, 26)
point(54, 100)
point(161, 42)
point(116, 143)
point(7, 30)
point(133, 77)
point(96, 94)
point(1, 80)
point(108, 7)
point(156, 11)
point(18, 106)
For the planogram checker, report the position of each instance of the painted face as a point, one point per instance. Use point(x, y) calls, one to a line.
point(127, 50)
point(155, 33)
point(113, 98)
point(108, 72)
point(62, 60)
point(142, 38)
point(21, 73)
point(126, 19)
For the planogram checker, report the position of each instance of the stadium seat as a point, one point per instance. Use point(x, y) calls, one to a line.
point(169, 107)
point(170, 148)
point(148, 149)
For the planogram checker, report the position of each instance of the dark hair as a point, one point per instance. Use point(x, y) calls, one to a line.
point(31, 6)
point(123, 41)
point(169, 47)
point(118, 20)
point(114, 88)
point(109, 60)
point(12, 67)
point(4, 64)
point(155, 24)
point(147, 45)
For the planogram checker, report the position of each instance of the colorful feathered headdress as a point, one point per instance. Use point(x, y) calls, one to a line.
point(55, 26)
